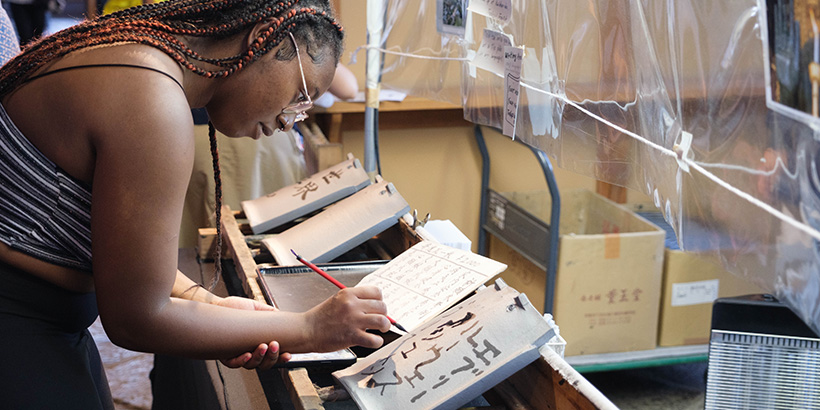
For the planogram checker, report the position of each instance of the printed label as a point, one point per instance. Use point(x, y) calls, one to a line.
point(695, 293)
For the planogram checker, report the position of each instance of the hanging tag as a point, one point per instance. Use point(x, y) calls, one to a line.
point(512, 88)
point(490, 54)
point(682, 150)
point(497, 9)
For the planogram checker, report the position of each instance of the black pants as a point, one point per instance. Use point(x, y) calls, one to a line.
point(29, 19)
point(48, 359)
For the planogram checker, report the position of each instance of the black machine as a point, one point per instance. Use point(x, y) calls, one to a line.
point(761, 356)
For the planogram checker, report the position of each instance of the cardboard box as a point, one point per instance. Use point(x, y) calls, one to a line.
point(608, 280)
point(319, 152)
point(690, 284)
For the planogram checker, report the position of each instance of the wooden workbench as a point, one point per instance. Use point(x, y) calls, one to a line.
point(547, 383)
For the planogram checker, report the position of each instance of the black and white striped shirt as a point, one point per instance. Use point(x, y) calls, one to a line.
point(44, 212)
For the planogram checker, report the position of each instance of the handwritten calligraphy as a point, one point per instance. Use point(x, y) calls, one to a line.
point(464, 346)
point(512, 85)
point(425, 351)
point(311, 185)
point(497, 9)
point(428, 278)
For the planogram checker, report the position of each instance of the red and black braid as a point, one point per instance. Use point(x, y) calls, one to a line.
point(217, 206)
point(159, 24)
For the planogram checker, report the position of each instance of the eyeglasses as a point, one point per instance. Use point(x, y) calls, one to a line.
point(299, 107)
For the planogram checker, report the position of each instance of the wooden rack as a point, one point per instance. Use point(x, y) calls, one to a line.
point(547, 383)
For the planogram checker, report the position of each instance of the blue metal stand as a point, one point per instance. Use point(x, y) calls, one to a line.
point(555, 214)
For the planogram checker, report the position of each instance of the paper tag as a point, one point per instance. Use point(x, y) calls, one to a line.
point(490, 55)
point(497, 9)
point(695, 293)
point(512, 88)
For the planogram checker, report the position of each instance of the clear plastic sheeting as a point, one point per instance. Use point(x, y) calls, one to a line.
point(421, 65)
point(708, 107)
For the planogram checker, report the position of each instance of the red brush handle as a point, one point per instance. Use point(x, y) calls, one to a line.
point(336, 282)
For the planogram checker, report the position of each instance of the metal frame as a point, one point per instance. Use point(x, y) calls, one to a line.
point(555, 213)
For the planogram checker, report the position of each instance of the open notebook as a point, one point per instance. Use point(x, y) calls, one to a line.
point(452, 357)
point(428, 278)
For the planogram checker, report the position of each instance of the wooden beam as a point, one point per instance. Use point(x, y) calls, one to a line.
point(242, 257)
point(302, 393)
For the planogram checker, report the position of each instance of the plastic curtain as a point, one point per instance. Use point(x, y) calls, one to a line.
point(708, 107)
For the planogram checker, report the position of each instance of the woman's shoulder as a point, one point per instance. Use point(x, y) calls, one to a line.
point(111, 58)
point(121, 81)
point(125, 97)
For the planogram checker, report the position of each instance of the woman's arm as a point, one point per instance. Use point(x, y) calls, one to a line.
point(344, 85)
point(144, 152)
point(265, 355)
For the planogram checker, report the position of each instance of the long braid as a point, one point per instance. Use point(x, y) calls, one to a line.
point(217, 205)
point(158, 24)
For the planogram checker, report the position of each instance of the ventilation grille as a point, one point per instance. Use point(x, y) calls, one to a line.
point(754, 371)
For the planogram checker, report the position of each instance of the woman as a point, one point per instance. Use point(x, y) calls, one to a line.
point(105, 107)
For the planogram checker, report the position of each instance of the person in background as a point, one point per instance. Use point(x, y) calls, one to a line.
point(9, 46)
point(29, 18)
point(344, 85)
point(111, 6)
point(67, 255)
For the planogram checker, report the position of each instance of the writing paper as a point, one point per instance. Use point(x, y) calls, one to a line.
point(428, 278)
point(497, 9)
point(490, 54)
point(512, 87)
point(453, 357)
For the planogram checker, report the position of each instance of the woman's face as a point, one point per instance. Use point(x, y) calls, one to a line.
point(256, 101)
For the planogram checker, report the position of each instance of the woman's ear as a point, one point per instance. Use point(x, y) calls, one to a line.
point(258, 30)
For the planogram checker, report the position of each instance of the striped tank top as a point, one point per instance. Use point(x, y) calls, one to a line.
point(44, 212)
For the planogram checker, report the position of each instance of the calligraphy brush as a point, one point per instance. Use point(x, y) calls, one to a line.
point(338, 284)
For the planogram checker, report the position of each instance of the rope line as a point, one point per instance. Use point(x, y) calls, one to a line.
point(699, 166)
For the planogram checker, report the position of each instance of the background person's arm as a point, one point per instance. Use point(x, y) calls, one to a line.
point(344, 85)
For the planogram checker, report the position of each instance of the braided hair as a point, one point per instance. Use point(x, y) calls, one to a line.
point(157, 25)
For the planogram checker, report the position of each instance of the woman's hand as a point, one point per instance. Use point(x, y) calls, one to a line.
point(266, 355)
point(343, 320)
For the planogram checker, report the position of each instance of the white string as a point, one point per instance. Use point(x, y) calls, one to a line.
point(403, 54)
point(700, 167)
point(696, 165)
point(778, 164)
point(661, 149)
point(768, 208)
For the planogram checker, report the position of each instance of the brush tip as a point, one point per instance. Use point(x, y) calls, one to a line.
point(400, 327)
